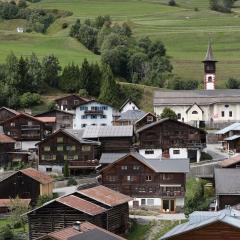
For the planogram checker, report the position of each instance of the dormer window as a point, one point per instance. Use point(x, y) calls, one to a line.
point(149, 118)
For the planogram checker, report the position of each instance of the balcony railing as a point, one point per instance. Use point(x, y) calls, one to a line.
point(87, 163)
point(30, 127)
point(93, 112)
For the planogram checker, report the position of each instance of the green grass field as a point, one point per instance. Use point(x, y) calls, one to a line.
point(183, 30)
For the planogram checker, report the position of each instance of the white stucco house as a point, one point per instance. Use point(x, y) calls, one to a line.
point(93, 113)
point(196, 106)
point(128, 105)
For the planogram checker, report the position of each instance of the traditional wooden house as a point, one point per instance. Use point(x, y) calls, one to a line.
point(152, 183)
point(169, 138)
point(112, 138)
point(221, 225)
point(6, 113)
point(26, 183)
point(70, 102)
point(81, 231)
point(227, 186)
point(99, 206)
point(63, 119)
point(146, 119)
point(68, 145)
point(24, 127)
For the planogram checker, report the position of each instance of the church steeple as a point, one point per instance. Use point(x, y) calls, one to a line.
point(209, 69)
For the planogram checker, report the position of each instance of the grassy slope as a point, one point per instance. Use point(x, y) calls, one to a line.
point(183, 30)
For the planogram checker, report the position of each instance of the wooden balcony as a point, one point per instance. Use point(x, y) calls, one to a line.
point(83, 164)
point(93, 112)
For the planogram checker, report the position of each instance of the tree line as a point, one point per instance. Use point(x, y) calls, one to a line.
point(224, 6)
point(38, 20)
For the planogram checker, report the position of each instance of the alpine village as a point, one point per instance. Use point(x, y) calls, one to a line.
point(119, 120)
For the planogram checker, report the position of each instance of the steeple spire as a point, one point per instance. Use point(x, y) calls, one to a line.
point(209, 54)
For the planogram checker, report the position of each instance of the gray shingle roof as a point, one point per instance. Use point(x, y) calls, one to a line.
point(209, 55)
point(232, 138)
point(131, 115)
point(201, 219)
point(234, 126)
point(227, 181)
point(108, 131)
point(107, 158)
point(200, 97)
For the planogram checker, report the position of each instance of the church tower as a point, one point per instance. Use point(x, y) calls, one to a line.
point(209, 69)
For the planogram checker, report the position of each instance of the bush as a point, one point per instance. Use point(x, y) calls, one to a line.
point(172, 3)
point(64, 25)
point(30, 99)
point(196, 9)
point(71, 182)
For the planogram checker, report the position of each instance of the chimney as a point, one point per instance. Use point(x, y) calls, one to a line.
point(77, 226)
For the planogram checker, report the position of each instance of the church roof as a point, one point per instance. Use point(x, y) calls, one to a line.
point(209, 55)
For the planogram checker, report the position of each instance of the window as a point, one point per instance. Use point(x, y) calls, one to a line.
point(223, 114)
point(167, 176)
point(60, 148)
point(83, 108)
point(143, 201)
point(48, 169)
point(149, 118)
point(148, 178)
point(46, 148)
point(194, 112)
point(12, 124)
point(135, 167)
point(226, 106)
point(179, 116)
point(230, 113)
point(93, 116)
point(111, 178)
point(86, 148)
point(151, 189)
point(149, 152)
point(59, 139)
point(150, 202)
point(124, 167)
point(131, 178)
point(103, 116)
point(176, 151)
point(209, 79)
point(84, 117)
point(76, 102)
point(64, 102)
point(83, 125)
point(142, 189)
point(71, 148)
point(103, 124)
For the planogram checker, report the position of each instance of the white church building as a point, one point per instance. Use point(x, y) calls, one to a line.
point(210, 106)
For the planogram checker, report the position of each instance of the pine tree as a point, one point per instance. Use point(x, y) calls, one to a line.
point(66, 171)
point(109, 88)
point(85, 75)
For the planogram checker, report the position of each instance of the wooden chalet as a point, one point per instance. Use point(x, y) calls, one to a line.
point(24, 127)
point(27, 183)
point(112, 138)
point(171, 134)
point(81, 231)
point(63, 119)
point(68, 145)
point(6, 113)
point(221, 225)
point(70, 102)
point(146, 119)
point(152, 183)
point(227, 186)
point(97, 205)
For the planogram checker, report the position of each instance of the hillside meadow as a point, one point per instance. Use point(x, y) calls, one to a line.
point(184, 29)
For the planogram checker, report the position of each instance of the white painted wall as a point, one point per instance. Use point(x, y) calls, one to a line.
point(156, 155)
point(26, 145)
point(129, 106)
point(179, 202)
point(210, 84)
point(157, 202)
point(78, 120)
point(183, 153)
point(191, 114)
point(55, 168)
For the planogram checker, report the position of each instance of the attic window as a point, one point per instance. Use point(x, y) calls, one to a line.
point(12, 124)
point(194, 112)
point(149, 118)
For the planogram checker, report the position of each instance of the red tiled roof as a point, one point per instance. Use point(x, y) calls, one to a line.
point(47, 119)
point(7, 202)
point(6, 139)
point(81, 205)
point(105, 195)
point(66, 233)
point(10, 110)
point(22, 115)
point(37, 175)
point(230, 161)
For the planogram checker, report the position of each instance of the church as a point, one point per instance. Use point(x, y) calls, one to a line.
point(209, 107)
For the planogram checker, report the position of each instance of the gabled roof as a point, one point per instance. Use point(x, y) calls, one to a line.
point(10, 110)
point(145, 116)
point(234, 137)
point(126, 102)
point(227, 181)
point(194, 105)
point(105, 195)
point(75, 95)
point(74, 134)
point(54, 110)
point(108, 131)
point(37, 175)
point(88, 231)
point(199, 220)
point(131, 115)
point(107, 158)
point(6, 139)
point(232, 127)
point(230, 161)
point(157, 165)
point(81, 205)
point(165, 120)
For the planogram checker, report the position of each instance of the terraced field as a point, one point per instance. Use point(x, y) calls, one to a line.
point(183, 30)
